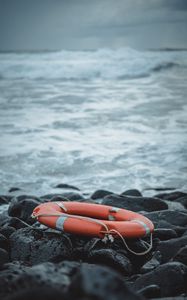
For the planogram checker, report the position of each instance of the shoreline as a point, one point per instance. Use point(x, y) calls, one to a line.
point(35, 260)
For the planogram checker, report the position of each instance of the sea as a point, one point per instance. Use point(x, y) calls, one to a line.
point(109, 119)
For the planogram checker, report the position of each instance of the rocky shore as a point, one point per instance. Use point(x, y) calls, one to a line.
point(39, 262)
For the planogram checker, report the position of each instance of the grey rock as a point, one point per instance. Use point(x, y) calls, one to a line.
point(14, 189)
point(23, 209)
point(165, 234)
point(169, 249)
point(171, 196)
point(7, 230)
point(132, 192)
point(4, 243)
point(170, 277)
point(135, 203)
point(181, 255)
point(101, 283)
point(111, 258)
point(4, 257)
point(153, 263)
point(32, 246)
point(150, 291)
point(66, 186)
point(178, 218)
point(99, 194)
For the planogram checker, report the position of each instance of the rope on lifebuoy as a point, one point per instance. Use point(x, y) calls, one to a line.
point(125, 243)
point(107, 233)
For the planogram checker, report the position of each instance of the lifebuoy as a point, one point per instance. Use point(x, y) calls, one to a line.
point(94, 220)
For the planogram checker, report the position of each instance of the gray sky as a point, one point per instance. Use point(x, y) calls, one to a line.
point(90, 24)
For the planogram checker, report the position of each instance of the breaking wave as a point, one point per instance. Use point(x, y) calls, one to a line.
point(118, 64)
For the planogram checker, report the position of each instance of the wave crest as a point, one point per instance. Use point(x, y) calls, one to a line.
point(118, 64)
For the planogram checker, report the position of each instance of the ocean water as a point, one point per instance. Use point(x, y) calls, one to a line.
point(110, 119)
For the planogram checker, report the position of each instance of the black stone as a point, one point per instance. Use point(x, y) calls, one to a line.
point(4, 257)
point(170, 277)
point(4, 243)
point(178, 218)
point(66, 186)
point(45, 293)
point(7, 230)
point(135, 203)
point(14, 189)
point(4, 218)
point(164, 234)
point(150, 291)
point(99, 194)
point(171, 196)
point(111, 258)
point(153, 263)
point(101, 283)
point(132, 192)
point(181, 255)
point(5, 199)
point(169, 249)
point(32, 246)
point(183, 201)
point(23, 209)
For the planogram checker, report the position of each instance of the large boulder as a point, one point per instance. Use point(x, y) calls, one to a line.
point(73, 280)
point(4, 257)
point(36, 246)
point(169, 249)
point(174, 196)
point(135, 203)
point(165, 234)
point(178, 218)
point(66, 186)
point(181, 255)
point(132, 192)
point(22, 207)
point(170, 277)
point(99, 194)
point(97, 282)
point(111, 258)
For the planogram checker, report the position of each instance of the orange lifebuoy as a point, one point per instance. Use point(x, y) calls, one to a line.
point(94, 220)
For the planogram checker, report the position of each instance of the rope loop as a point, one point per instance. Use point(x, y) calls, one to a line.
point(109, 237)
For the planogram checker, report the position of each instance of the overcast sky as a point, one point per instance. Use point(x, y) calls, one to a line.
point(90, 24)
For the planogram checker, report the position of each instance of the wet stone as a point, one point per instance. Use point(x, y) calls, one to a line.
point(150, 291)
point(99, 194)
point(66, 186)
point(4, 199)
point(169, 249)
point(153, 263)
point(98, 282)
point(14, 189)
point(171, 196)
point(111, 258)
point(132, 192)
point(135, 203)
point(23, 209)
point(181, 255)
point(4, 243)
point(4, 257)
point(170, 277)
point(33, 246)
point(178, 218)
point(7, 230)
point(165, 234)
